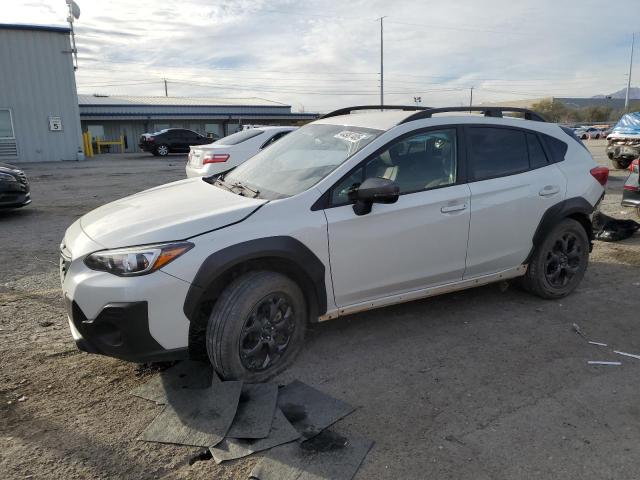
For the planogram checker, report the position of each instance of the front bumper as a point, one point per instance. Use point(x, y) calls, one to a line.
point(120, 330)
point(626, 152)
point(136, 318)
point(14, 194)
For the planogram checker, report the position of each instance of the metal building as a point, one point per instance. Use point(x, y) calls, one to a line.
point(112, 117)
point(39, 115)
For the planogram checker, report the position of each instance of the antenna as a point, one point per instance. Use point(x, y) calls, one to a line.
point(74, 13)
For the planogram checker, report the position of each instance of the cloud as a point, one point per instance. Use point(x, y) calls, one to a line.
point(325, 54)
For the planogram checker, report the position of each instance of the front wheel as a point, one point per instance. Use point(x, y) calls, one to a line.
point(162, 150)
point(256, 327)
point(559, 262)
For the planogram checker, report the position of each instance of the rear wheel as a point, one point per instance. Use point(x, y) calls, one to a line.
point(162, 150)
point(256, 327)
point(559, 262)
point(620, 164)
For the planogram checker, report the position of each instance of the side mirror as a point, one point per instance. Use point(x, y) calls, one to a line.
point(374, 190)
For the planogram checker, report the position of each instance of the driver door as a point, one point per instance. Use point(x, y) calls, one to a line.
point(417, 242)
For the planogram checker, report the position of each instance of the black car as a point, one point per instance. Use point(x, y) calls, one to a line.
point(171, 140)
point(14, 187)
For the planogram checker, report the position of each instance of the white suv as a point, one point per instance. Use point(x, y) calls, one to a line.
point(231, 151)
point(348, 213)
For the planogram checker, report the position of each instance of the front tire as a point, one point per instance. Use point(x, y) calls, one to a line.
point(256, 327)
point(620, 164)
point(162, 150)
point(559, 262)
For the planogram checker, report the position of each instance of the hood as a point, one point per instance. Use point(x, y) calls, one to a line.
point(6, 166)
point(175, 211)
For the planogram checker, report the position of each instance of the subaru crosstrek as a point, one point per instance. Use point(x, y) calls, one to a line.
point(352, 212)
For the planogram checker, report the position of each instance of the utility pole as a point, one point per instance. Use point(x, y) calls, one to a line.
point(381, 62)
point(471, 100)
point(626, 98)
point(166, 92)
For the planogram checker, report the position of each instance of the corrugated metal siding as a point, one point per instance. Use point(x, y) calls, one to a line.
point(37, 81)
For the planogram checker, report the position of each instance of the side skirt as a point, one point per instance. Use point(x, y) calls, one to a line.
point(425, 293)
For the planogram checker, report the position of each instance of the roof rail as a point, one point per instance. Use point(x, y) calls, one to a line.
point(348, 110)
point(488, 112)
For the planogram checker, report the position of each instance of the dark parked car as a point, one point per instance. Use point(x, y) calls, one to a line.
point(14, 187)
point(171, 140)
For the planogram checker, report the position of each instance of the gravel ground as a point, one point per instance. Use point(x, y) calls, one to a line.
point(481, 384)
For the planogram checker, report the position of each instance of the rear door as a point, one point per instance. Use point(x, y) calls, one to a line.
point(512, 184)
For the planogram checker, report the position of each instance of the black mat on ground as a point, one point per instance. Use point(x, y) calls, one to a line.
point(186, 374)
point(255, 411)
point(281, 432)
point(198, 417)
point(309, 410)
point(327, 456)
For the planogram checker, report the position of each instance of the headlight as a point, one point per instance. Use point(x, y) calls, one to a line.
point(5, 177)
point(131, 261)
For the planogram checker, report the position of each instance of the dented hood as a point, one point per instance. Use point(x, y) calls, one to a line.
point(175, 211)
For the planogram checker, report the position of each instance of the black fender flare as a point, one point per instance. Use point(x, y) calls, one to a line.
point(287, 250)
point(571, 207)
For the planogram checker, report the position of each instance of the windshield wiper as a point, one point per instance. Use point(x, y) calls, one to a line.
point(243, 187)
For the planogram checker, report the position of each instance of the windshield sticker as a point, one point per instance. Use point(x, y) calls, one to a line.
point(353, 137)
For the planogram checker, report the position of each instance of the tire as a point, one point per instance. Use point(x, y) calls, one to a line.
point(559, 262)
point(610, 155)
point(162, 150)
point(249, 321)
point(620, 164)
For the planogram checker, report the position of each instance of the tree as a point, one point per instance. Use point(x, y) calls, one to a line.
point(551, 110)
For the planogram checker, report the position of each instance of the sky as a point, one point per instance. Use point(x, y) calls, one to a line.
point(318, 55)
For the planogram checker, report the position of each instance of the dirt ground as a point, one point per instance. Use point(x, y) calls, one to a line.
point(481, 384)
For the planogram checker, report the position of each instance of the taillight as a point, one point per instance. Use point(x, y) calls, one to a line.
point(601, 174)
point(214, 158)
point(635, 165)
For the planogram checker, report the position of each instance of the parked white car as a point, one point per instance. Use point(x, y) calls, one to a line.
point(349, 213)
point(231, 151)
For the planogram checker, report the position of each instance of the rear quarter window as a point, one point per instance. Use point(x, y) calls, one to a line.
point(557, 148)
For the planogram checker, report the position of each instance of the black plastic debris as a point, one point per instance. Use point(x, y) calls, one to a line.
point(327, 456)
point(201, 456)
point(309, 410)
point(197, 417)
point(281, 432)
point(184, 375)
point(609, 229)
point(255, 411)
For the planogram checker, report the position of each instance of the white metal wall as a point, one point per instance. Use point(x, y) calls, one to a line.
point(37, 81)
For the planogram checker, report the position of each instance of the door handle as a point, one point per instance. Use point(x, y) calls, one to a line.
point(549, 190)
point(454, 208)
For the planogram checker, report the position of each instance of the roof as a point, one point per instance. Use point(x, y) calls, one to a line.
point(129, 100)
point(32, 27)
point(371, 119)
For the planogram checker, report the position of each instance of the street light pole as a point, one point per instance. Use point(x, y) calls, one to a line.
point(381, 62)
point(626, 98)
point(471, 99)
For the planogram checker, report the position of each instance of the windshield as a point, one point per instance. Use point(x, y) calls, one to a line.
point(301, 159)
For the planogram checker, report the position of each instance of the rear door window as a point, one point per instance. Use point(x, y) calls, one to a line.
point(497, 152)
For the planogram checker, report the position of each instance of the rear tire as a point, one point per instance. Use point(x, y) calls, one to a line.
point(620, 164)
point(256, 327)
point(559, 262)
